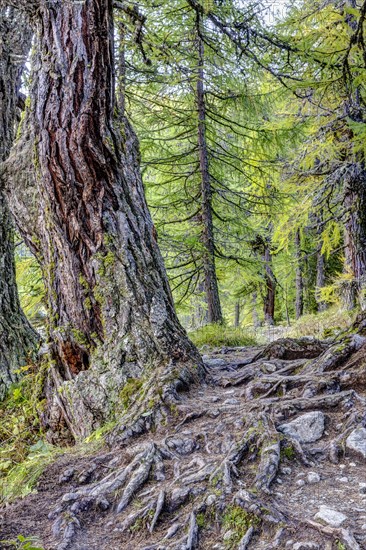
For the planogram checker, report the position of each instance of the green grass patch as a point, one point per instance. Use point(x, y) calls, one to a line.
point(22, 478)
point(238, 521)
point(327, 324)
point(219, 336)
point(22, 543)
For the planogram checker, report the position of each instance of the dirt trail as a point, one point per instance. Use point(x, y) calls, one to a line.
point(222, 472)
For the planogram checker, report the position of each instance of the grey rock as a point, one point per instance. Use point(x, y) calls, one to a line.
point(329, 516)
point(306, 546)
point(69, 497)
point(342, 479)
point(300, 483)
point(313, 477)
point(231, 401)
point(210, 500)
point(182, 446)
point(286, 471)
point(356, 441)
point(307, 428)
point(179, 497)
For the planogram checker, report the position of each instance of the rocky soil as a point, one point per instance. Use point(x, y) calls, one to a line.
point(270, 453)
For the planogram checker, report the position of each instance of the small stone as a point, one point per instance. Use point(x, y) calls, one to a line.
point(329, 516)
point(231, 401)
point(305, 546)
point(356, 441)
point(307, 428)
point(363, 527)
point(286, 471)
point(352, 464)
point(342, 466)
point(69, 497)
point(215, 399)
point(300, 483)
point(279, 480)
point(210, 500)
point(342, 479)
point(313, 477)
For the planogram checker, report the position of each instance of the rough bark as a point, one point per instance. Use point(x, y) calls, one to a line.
point(299, 305)
point(17, 338)
point(111, 312)
point(207, 236)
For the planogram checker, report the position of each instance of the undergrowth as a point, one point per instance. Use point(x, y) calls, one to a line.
point(20, 427)
point(219, 335)
point(22, 543)
point(326, 324)
point(236, 522)
point(24, 453)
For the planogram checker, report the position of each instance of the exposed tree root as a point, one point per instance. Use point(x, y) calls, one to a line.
point(218, 451)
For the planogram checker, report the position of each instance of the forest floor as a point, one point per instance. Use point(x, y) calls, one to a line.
point(230, 469)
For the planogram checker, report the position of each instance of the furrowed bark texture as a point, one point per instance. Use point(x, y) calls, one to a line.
point(209, 268)
point(111, 310)
point(17, 338)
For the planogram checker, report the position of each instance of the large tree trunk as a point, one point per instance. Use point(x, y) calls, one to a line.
point(111, 312)
point(17, 338)
point(299, 305)
point(207, 237)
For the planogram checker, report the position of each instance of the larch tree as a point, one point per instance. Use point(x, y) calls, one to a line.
point(17, 338)
point(112, 320)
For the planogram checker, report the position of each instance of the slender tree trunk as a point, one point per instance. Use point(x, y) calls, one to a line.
point(256, 322)
point(355, 233)
point(17, 338)
point(320, 278)
point(237, 314)
point(211, 286)
point(201, 309)
point(270, 286)
point(299, 277)
point(111, 311)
